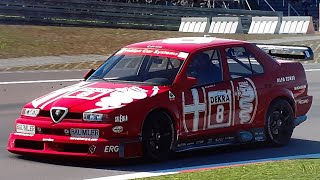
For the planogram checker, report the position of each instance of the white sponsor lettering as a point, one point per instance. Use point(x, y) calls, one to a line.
point(221, 99)
point(286, 79)
point(55, 95)
point(117, 129)
point(300, 87)
point(247, 94)
point(88, 93)
point(84, 133)
point(121, 118)
point(111, 149)
point(48, 139)
point(23, 134)
point(303, 101)
point(30, 112)
point(119, 97)
point(155, 91)
point(25, 129)
point(82, 139)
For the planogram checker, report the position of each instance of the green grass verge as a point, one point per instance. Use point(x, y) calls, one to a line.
point(308, 169)
point(30, 41)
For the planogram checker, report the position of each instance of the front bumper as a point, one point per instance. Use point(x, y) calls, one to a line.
point(50, 144)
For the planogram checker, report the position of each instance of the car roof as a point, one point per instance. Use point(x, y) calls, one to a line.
point(185, 44)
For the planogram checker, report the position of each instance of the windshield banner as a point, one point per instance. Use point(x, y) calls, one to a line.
point(154, 52)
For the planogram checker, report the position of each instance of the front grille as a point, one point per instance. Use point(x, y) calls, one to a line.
point(73, 148)
point(36, 145)
point(59, 147)
point(70, 115)
point(50, 131)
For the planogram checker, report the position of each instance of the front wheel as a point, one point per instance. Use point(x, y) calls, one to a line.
point(157, 136)
point(280, 123)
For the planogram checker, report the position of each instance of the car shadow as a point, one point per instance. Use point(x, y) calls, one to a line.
point(213, 157)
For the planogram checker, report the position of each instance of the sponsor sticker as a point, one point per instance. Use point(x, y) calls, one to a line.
point(286, 79)
point(82, 139)
point(121, 118)
point(92, 149)
point(303, 101)
point(111, 149)
point(48, 139)
point(171, 96)
point(25, 129)
point(153, 52)
point(117, 129)
point(300, 87)
point(30, 112)
point(84, 133)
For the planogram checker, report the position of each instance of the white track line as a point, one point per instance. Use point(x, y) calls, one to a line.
point(199, 167)
point(134, 175)
point(39, 81)
point(312, 70)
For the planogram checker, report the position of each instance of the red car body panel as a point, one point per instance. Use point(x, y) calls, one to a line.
point(194, 111)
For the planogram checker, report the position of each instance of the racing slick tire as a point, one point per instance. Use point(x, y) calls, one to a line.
point(157, 136)
point(279, 123)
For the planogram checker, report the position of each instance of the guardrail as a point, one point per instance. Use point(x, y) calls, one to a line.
point(111, 14)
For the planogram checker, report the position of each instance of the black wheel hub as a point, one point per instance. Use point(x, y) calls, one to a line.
point(160, 138)
point(279, 123)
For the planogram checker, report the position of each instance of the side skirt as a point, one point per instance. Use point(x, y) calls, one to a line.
point(241, 137)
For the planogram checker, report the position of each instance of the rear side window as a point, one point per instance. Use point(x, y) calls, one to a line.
point(242, 63)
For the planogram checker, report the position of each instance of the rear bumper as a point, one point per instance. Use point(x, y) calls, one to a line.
point(65, 145)
point(303, 105)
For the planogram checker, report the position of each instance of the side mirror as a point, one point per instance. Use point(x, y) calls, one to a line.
point(88, 73)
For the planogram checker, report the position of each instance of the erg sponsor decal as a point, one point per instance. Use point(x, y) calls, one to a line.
point(111, 149)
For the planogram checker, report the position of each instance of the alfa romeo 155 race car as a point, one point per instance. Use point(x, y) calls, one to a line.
point(156, 97)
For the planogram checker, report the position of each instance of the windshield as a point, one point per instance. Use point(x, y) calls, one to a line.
point(139, 68)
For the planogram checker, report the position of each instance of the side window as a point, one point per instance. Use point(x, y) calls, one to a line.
point(163, 63)
point(206, 67)
point(242, 63)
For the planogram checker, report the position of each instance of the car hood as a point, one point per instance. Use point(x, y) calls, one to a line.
point(95, 96)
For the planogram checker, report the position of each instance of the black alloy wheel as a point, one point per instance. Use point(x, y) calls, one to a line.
point(158, 136)
point(280, 123)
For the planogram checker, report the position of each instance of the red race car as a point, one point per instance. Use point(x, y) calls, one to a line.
point(156, 97)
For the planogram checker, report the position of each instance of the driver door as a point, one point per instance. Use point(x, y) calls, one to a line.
point(207, 108)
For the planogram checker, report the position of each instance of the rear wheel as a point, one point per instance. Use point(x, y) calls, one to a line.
point(279, 124)
point(157, 136)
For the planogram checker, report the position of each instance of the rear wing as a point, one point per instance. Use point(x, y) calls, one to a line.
point(302, 53)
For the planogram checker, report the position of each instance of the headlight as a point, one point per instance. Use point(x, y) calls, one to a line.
point(30, 112)
point(94, 117)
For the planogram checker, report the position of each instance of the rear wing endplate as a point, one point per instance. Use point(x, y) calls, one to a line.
point(302, 53)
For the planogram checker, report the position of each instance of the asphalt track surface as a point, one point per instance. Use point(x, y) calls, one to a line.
point(306, 137)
